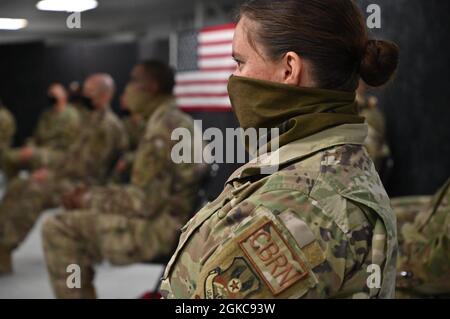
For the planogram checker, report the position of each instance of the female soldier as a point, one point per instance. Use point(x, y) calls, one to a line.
point(321, 226)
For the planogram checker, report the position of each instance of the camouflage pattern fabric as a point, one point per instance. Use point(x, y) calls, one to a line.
point(313, 229)
point(407, 208)
point(86, 161)
point(83, 112)
point(135, 126)
point(92, 156)
point(55, 133)
point(128, 223)
point(376, 142)
point(7, 130)
point(424, 233)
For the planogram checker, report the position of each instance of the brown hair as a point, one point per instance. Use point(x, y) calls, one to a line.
point(331, 34)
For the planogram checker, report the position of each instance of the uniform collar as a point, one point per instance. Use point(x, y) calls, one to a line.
point(354, 134)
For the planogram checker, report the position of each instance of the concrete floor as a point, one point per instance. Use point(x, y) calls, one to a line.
point(30, 280)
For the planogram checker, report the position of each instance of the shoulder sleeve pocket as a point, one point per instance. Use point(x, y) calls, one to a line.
point(261, 261)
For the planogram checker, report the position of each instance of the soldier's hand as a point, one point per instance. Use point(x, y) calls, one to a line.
point(74, 199)
point(41, 175)
point(121, 166)
point(26, 154)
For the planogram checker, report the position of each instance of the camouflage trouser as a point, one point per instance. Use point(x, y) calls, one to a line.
point(19, 209)
point(23, 203)
point(43, 157)
point(86, 237)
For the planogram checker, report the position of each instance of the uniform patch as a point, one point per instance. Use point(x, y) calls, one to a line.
point(271, 255)
point(236, 282)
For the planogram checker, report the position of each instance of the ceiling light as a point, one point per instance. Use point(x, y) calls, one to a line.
point(12, 24)
point(67, 5)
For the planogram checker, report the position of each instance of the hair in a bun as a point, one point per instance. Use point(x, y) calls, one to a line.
point(379, 63)
point(331, 34)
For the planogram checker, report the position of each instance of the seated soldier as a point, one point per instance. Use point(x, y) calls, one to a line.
point(134, 123)
point(376, 143)
point(424, 240)
point(87, 162)
point(76, 100)
point(129, 223)
point(57, 129)
point(8, 129)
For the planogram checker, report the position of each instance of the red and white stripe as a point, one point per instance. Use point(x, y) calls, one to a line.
point(206, 89)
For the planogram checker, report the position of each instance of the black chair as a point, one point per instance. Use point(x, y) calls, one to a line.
point(202, 199)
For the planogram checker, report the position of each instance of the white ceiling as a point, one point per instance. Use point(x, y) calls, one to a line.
point(112, 18)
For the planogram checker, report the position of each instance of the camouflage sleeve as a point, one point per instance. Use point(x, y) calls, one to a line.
point(151, 163)
point(95, 153)
point(37, 137)
point(115, 199)
point(298, 252)
point(51, 157)
point(71, 130)
point(48, 157)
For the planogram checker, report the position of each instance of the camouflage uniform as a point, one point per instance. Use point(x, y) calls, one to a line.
point(424, 238)
point(310, 230)
point(376, 143)
point(135, 127)
point(55, 134)
point(83, 111)
point(127, 224)
point(88, 161)
point(7, 130)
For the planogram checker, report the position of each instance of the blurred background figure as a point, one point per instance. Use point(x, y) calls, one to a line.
point(76, 100)
point(7, 131)
point(87, 162)
point(376, 143)
point(7, 128)
point(57, 129)
point(136, 222)
point(424, 240)
point(135, 122)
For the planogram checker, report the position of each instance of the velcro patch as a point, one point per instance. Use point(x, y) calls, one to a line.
point(236, 282)
point(273, 258)
point(261, 261)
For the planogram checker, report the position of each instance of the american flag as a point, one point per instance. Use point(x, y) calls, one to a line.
point(205, 64)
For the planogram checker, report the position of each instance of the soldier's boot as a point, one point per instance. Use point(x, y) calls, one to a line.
point(5, 261)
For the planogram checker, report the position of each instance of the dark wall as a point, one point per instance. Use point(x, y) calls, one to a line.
point(417, 104)
point(22, 83)
point(28, 69)
point(222, 121)
point(67, 63)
